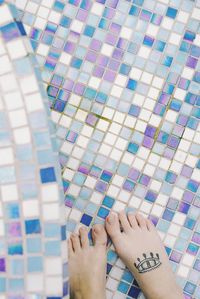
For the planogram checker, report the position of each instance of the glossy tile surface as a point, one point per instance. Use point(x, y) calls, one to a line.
point(33, 263)
point(123, 83)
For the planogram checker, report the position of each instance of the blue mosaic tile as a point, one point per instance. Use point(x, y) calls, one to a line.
point(125, 102)
point(29, 172)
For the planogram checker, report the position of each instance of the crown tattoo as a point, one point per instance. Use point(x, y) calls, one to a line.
point(148, 263)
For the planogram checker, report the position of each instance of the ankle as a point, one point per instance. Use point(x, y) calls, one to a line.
point(163, 293)
point(176, 293)
point(96, 296)
point(97, 293)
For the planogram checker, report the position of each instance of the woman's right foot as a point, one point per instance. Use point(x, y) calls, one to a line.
point(87, 264)
point(141, 249)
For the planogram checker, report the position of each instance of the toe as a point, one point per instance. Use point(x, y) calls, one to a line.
point(70, 248)
point(124, 221)
point(99, 235)
point(132, 220)
point(84, 237)
point(112, 225)
point(75, 242)
point(150, 225)
point(141, 221)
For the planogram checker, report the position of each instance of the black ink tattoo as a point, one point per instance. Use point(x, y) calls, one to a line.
point(148, 263)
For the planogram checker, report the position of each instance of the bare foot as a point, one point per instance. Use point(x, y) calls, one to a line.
point(141, 249)
point(87, 264)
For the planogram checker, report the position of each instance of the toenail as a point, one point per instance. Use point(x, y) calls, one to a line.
point(83, 228)
point(130, 212)
point(111, 218)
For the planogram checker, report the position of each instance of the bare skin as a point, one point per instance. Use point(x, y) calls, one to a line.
point(138, 245)
point(87, 264)
point(141, 249)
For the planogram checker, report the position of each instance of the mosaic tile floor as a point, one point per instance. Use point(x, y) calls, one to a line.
point(33, 263)
point(122, 79)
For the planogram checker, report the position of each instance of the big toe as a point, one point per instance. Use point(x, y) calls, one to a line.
point(99, 235)
point(112, 225)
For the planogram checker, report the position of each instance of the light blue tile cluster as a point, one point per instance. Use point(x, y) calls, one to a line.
point(32, 223)
point(122, 78)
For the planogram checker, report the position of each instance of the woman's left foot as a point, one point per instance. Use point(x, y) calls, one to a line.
point(142, 251)
point(87, 264)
